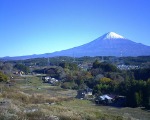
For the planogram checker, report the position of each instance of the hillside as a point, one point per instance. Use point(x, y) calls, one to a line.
point(24, 101)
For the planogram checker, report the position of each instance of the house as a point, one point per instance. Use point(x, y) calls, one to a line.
point(127, 67)
point(85, 66)
point(53, 80)
point(46, 79)
point(84, 94)
point(50, 80)
point(120, 101)
point(105, 99)
point(19, 73)
point(80, 94)
point(88, 91)
point(112, 100)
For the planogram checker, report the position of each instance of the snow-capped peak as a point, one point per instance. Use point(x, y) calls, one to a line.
point(113, 35)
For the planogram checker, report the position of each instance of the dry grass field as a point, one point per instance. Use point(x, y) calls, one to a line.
point(30, 99)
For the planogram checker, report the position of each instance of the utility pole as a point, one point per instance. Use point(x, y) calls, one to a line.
point(48, 63)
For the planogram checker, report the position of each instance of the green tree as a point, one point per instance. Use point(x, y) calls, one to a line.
point(96, 64)
point(147, 101)
point(138, 98)
point(106, 67)
point(3, 77)
point(23, 68)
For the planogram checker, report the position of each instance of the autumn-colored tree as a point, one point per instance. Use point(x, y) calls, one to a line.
point(105, 80)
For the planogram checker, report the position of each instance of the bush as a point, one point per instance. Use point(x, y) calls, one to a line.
point(69, 85)
point(3, 77)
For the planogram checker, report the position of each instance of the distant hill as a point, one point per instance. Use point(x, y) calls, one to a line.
point(109, 44)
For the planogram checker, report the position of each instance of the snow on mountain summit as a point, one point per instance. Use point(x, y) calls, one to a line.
point(113, 35)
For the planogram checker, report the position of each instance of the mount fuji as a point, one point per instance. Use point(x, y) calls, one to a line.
point(109, 44)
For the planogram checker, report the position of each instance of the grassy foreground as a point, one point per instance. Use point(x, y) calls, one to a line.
point(30, 99)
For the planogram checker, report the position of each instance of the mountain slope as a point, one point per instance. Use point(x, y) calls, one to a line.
point(109, 44)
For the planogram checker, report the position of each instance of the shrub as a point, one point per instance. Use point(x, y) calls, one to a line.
point(3, 77)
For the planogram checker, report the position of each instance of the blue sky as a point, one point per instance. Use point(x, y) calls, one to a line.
point(43, 26)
